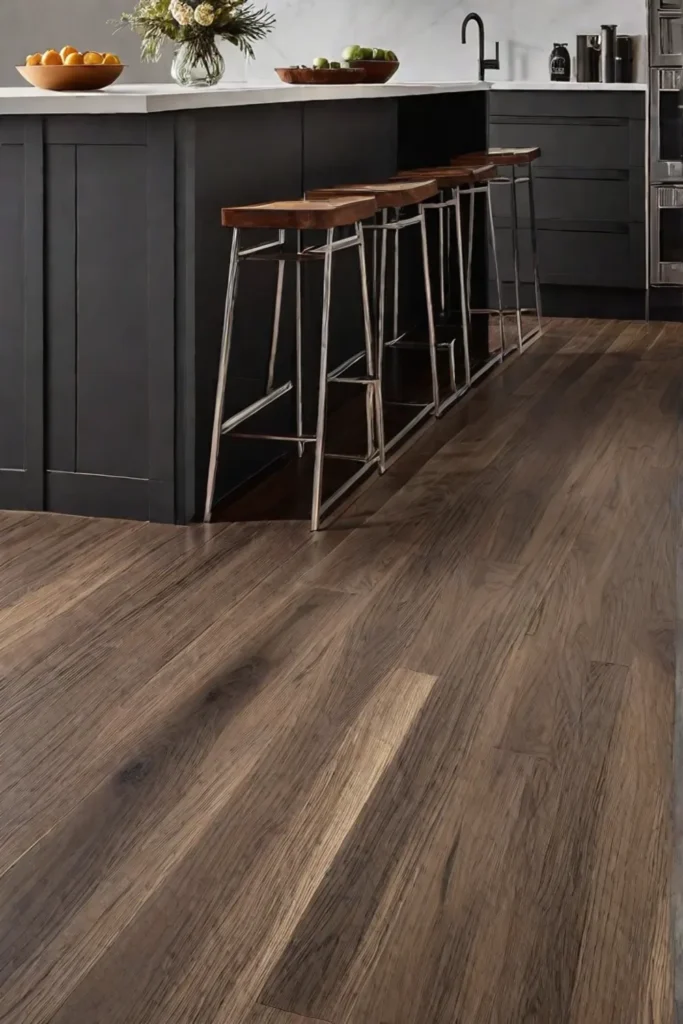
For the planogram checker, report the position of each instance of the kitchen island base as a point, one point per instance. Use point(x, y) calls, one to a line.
point(113, 265)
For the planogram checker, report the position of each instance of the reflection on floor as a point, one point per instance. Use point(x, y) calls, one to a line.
point(414, 770)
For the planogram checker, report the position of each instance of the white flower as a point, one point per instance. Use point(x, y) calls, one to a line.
point(182, 12)
point(204, 14)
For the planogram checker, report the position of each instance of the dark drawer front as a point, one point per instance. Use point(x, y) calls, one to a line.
point(617, 198)
point(557, 104)
point(600, 259)
point(607, 145)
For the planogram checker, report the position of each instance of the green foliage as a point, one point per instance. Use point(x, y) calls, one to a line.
point(237, 21)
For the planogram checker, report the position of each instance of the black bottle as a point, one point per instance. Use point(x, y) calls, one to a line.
point(560, 63)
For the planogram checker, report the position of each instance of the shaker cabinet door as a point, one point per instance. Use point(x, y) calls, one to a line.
point(109, 264)
point(21, 313)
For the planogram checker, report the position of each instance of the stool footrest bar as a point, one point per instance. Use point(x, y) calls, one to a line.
point(295, 438)
point(341, 491)
point(255, 407)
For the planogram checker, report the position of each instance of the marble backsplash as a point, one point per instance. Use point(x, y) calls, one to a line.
point(426, 35)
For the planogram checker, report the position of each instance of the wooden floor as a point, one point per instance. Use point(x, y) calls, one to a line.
point(416, 770)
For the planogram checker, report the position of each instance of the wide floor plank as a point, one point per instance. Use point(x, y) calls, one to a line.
point(415, 770)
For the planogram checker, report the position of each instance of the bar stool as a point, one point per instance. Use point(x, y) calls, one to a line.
point(515, 159)
point(454, 183)
point(301, 215)
point(393, 198)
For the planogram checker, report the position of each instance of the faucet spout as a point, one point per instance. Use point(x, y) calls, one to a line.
point(494, 64)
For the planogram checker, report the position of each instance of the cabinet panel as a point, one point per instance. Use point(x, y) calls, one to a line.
point(110, 315)
point(593, 259)
point(21, 313)
point(12, 332)
point(111, 321)
point(570, 144)
point(574, 199)
point(553, 103)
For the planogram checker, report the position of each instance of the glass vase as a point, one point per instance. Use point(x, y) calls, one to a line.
point(199, 71)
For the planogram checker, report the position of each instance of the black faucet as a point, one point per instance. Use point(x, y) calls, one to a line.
point(493, 63)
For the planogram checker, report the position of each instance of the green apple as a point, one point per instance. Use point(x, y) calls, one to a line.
point(367, 53)
point(353, 53)
point(335, 64)
point(321, 63)
point(378, 54)
point(390, 55)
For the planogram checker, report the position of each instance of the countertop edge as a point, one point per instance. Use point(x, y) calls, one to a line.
point(140, 99)
point(163, 99)
point(569, 86)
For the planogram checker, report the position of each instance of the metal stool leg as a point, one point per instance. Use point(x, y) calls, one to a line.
point(228, 319)
point(300, 446)
point(397, 258)
point(464, 305)
point(381, 301)
point(322, 386)
point(470, 249)
point(496, 268)
point(442, 263)
point(436, 398)
point(534, 253)
point(374, 391)
point(515, 259)
point(277, 315)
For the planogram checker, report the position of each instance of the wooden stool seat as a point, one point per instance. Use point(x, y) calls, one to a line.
point(500, 157)
point(300, 214)
point(452, 176)
point(387, 194)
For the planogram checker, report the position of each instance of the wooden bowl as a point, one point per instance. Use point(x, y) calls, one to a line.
point(321, 76)
point(377, 72)
point(71, 77)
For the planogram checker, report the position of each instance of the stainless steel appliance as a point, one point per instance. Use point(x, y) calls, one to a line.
point(666, 125)
point(624, 59)
point(666, 234)
point(608, 53)
point(588, 58)
point(666, 35)
point(666, 142)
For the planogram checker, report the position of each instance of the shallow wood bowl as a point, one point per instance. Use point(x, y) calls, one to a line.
point(321, 76)
point(377, 72)
point(71, 77)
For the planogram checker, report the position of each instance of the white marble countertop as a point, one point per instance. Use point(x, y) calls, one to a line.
point(573, 86)
point(150, 99)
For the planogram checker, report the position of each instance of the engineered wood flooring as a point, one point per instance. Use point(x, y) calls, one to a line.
point(415, 770)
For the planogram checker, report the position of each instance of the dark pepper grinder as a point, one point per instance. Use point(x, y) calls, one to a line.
point(560, 63)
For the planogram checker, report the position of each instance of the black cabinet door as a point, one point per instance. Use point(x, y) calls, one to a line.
point(21, 313)
point(110, 308)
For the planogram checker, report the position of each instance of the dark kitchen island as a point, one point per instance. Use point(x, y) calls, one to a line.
point(113, 266)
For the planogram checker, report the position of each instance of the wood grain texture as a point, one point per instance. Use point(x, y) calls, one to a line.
point(390, 194)
point(269, 1015)
point(451, 176)
point(303, 214)
point(501, 157)
point(417, 769)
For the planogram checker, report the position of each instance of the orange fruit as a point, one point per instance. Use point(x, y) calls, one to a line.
point(92, 57)
point(65, 51)
point(51, 57)
point(74, 58)
point(34, 60)
point(111, 58)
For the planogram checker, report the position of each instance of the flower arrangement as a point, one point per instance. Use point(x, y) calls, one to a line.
point(194, 25)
